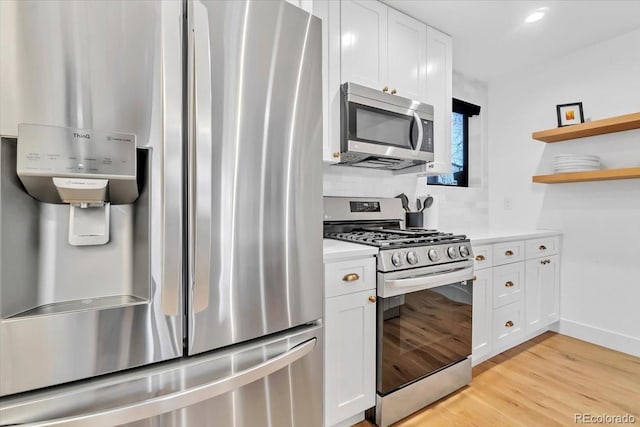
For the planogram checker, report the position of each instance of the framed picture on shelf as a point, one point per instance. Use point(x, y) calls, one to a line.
point(570, 114)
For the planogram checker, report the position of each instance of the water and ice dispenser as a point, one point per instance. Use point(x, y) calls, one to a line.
point(84, 168)
point(75, 221)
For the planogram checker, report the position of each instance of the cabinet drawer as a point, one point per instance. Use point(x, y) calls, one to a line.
point(541, 247)
point(508, 282)
point(346, 277)
point(504, 253)
point(483, 257)
point(507, 326)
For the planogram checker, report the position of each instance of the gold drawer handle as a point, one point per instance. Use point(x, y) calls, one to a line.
point(542, 247)
point(509, 253)
point(475, 277)
point(480, 258)
point(509, 284)
point(351, 277)
point(393, 91)
point(336, 154)
point(385, 89)
point(508, 324)
point(372, 299)
point(545, 261)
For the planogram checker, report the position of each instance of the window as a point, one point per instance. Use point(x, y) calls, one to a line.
point(459, 176)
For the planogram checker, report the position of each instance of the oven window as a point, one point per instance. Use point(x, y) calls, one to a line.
point(422, 332)
point(381, 127)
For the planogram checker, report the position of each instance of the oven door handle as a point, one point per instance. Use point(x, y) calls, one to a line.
point(393, 287)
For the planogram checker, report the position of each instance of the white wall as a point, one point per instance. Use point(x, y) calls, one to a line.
point(600, 287)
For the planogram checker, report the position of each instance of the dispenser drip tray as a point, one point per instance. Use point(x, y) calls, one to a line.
point(79, 305)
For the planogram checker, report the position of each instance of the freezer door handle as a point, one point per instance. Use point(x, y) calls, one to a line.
point(200, 153)
point(181, 399)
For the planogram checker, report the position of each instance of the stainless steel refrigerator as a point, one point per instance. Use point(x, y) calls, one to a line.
point(160, 213)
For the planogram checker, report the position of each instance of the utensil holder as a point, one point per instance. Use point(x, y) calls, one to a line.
point(414, 219)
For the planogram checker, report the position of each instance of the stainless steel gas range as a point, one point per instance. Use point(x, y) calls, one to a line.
point(425, 294)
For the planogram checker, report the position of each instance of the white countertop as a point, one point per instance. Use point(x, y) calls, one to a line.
point(488, 236)
point(336, 250)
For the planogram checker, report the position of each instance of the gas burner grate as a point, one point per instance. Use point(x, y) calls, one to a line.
point(395, 238)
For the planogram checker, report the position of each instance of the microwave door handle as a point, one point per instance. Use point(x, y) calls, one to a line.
point(420, 131)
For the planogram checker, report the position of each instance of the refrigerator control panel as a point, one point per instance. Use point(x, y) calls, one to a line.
point(51, 150)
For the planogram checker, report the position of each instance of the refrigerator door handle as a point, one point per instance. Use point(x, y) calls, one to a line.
point(181, 399)
point(171, 170)
point(200, 163)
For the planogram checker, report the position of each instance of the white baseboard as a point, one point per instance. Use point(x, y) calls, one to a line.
point(613, 340)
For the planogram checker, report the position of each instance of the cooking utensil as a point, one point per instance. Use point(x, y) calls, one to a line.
point(418, 205)
point(427, 203)
point(405, 201)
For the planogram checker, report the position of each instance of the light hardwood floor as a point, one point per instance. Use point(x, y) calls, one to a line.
point(543, 382)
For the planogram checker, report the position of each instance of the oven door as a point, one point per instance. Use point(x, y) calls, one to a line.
point(424, 330)
point(386, 130)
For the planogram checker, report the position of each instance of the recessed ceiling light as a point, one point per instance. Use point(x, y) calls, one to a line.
point(536, 16)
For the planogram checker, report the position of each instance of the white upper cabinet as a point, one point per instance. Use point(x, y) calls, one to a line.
point(407, 56)
point(439, 94)
point(383, 49)
point(363, 28)
point(306, 5)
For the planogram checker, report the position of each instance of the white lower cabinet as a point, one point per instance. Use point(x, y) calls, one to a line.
point(507, 284)
point(542, 292)
point(516, 293)
point(482, 306)
point(350, 347)
point(507, 326)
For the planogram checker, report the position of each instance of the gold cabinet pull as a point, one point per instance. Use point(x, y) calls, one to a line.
point(480, 258)
point(475, 277)
point(509, 253)
point(373, 299)
point(393, 91)
point(545, 261)
point(542, 247)
point(336, 154)
point(385, 89)
point(351, 277)
point(508, 324)
point(509, 284)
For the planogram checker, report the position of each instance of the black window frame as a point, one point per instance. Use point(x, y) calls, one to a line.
point(466, 109)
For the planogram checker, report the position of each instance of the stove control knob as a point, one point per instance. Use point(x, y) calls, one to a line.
point(396, 259)
point(464, 251)
point(433, 255)
point(452, 252)
point(412, 257)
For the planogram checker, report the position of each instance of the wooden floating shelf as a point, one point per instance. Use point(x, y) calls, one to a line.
point(596, 127)
point(600, 175)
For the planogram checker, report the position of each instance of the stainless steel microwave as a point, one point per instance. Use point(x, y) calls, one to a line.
point(384, 131)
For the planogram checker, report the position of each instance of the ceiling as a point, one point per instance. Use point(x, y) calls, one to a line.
point(490, 38)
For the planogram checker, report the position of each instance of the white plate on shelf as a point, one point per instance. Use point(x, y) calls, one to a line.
point(576, 169)
point(576, 157)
